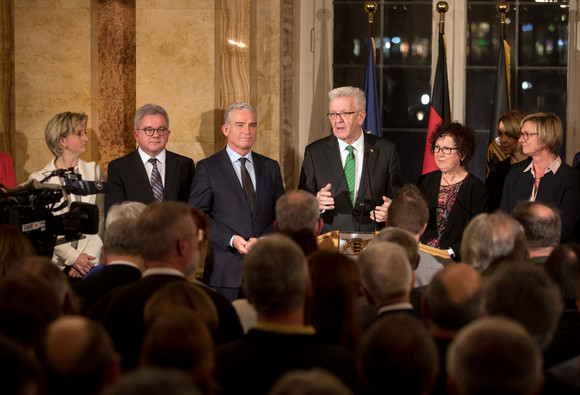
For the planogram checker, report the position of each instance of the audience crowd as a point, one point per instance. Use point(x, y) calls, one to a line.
point(478, 302)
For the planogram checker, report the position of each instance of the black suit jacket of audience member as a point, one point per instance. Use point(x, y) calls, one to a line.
point(91, 289)
point(561, 190)
point(322, 165)
point(251, 365)
point(471, 200)
point(128, 180)
point(121, 312)
point(217, 191)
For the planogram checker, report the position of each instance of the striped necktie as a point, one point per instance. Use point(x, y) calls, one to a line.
point(349, 171)
point(156, 183)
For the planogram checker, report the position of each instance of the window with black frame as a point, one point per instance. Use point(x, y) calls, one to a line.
point(537, 33)
point(402, 33)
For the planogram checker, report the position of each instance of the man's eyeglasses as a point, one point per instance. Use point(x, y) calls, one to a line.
point(445, 150)
point(344, 115)
point(527, 135)
point(150, 131)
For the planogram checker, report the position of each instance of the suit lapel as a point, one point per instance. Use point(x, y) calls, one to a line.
point(368, 167)
point(336, 169)
point(141, 178)
point(233, 180)
point(170, 172)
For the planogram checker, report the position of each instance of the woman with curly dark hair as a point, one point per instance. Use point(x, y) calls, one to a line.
point(454, 196)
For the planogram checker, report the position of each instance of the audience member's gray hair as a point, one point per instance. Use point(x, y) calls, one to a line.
point(489, 238)
point(356, 93)
point(404, 239)
point(494, 355)
point(160, 226)
point(121, 238)
point(315, 381)
point(542, 223)
point(398, 356)
point(124, 210)
point(149, 109)
point(239, 106)
point(385, 272)
point(275, 275)
point(296, 210)
point(526, 294)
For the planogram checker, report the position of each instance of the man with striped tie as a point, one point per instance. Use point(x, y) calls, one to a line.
point(150, 173)
point(353, 174)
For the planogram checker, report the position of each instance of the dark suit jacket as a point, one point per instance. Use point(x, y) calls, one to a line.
point(217, 191)
point(128, 180)
point(91, 289)
point(252, 364)
point(471, 200)
point(561, 190)
point(322, 165)
point(121, 312)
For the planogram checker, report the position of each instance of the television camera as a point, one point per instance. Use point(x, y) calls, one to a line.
point(32, 207)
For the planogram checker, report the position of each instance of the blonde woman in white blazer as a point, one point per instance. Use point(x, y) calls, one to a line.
point(66, 137)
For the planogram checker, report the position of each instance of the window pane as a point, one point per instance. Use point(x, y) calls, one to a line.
point(350, 33)
point(349, 76)
point(543, 35)
point(543, 91)
point(478, 96)
point(407, 34)
point(483, 34)
point(403, 90)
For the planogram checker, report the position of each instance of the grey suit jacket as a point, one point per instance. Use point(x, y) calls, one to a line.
point(128, 180)
point(216, 190)
point(322, 165)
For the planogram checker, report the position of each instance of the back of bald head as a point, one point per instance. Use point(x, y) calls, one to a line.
point(78, 353)
point(385, 272)
point(494, 355)
point(453, 296)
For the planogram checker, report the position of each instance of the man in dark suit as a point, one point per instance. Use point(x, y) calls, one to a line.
point(387, 279)
point(238, 189)
point(122, 264)
point(277, 282)
point(337, 169)
point(168, 242)
point(150, 173)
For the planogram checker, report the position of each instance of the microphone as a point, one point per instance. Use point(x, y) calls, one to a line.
point(83, 187)
point(373, 204)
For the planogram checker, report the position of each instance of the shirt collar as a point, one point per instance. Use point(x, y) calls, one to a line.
point(552, 167)
point(358, 144)
point(162, 270)
point(234, 156)
point(145, 157)
point(285, 329)
point(396, 306)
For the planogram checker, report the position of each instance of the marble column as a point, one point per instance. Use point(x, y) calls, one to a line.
point(7, 76)
point(116, 78)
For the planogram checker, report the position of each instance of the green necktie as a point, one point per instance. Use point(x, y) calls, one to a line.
point(349, 167)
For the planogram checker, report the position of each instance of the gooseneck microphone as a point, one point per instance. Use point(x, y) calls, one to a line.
point(373, 204)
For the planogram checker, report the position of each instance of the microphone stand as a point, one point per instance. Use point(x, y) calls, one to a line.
point(373, 204)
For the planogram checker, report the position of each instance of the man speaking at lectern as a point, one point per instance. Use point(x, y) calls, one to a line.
point(343, 169)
